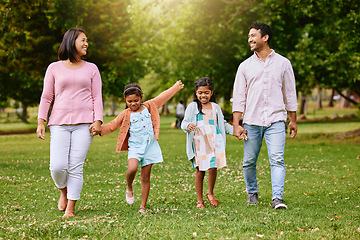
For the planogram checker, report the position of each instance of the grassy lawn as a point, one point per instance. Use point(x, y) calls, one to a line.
point(322, 192)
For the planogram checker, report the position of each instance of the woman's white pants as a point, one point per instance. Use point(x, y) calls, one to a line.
point(69, 145)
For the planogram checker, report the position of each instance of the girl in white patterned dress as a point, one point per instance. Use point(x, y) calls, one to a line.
point(206, 128)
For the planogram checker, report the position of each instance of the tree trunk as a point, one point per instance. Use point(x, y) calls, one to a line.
point(302, 109)
point(113, 106)
point(24, 114)
point(319, 103)
point(165, 110)
point(344, 103)
point(331, 101)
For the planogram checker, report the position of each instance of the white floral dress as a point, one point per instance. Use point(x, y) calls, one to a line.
point(208, 142)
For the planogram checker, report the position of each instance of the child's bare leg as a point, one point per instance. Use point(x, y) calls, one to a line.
point(70, 209)
point(199, 181)
point(145, 184)
point(130, 175)
point(210, 194)
point(212, 180)
point(62, 203)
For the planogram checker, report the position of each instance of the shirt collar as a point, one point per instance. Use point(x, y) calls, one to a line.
point(272, 53)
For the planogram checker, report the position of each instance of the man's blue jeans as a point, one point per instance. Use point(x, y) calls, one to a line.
point(275, 142)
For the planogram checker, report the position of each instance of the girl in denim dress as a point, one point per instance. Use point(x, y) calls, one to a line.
point(139, 127)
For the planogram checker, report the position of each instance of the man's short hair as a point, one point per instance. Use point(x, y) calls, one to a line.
point(264, 29)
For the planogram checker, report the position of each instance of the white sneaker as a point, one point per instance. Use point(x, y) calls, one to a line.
point(278, 204)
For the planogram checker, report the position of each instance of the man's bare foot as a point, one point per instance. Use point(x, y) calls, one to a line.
point(62, 203)
point(67, 215)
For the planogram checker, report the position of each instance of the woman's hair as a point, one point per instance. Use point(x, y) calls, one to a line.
point(133, 89)
point(202, 82)
point(67, 48)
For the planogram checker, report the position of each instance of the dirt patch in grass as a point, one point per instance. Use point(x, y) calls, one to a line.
point(349, 134)
point(19, 131)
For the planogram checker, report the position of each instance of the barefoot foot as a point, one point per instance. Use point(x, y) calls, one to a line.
point(70, 209)
point(68, 214)
point(62, 203)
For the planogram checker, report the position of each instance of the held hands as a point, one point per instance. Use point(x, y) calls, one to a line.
point(180, 84)
point(95, 128)
point(240, 133)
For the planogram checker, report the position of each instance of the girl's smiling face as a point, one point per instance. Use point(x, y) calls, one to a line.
point(133, 102)
point(203, 94)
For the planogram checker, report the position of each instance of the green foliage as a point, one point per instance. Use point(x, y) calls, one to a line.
point(32, 32)
point(189, 39)
point(107, 26)
point(321, 41)
point(178, 39)
point(25, 44)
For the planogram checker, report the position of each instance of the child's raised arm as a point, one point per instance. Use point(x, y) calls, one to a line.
point(165, 96)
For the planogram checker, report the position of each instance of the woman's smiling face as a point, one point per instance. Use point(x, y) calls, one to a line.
point(81, 44)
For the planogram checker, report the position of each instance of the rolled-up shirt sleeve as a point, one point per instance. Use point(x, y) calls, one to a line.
point(239, 92)
point(289, 88)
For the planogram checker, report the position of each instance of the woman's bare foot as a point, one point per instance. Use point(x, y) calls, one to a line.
point(62, 203)
point(70, 209)
point(67, 215)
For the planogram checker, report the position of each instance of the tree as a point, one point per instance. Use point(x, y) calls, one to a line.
point(25, 46)
point(190, 39)
point(324, 42)
point(31, 33)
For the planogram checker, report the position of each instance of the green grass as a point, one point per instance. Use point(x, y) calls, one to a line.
point(314, 113)
point(322, 192)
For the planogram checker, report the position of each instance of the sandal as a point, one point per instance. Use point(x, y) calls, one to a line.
point(213, 201)
point(200, 205)
point(142, 210)
point(130, 200)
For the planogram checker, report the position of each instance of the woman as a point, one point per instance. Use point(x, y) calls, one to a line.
point(73, 86)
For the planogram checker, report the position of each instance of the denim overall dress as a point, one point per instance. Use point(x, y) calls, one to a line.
point(142, 145)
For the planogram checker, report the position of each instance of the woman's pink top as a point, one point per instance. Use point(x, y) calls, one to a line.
point(77, 94)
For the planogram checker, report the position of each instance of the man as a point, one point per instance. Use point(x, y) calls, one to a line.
point(264, 90)
point(179, 114)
